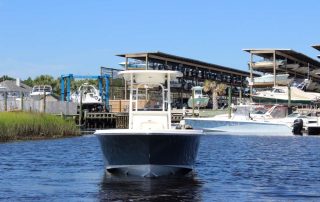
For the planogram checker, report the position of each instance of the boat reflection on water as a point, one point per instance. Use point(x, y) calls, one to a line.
point(115, 188)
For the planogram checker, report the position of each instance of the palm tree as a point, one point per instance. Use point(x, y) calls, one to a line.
point(216, 89)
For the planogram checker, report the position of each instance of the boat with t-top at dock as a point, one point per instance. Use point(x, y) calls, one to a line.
point(241, 122)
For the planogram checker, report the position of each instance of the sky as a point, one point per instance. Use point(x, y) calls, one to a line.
point(79, 36)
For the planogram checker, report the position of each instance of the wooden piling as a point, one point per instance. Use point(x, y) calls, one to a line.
point(193, 102)
point(5, 101)
point(85, 115)
point(21, 103)
point(289, 96)
point(80, 109)
point(44, 103)
point(229, 102)
point(240, 95)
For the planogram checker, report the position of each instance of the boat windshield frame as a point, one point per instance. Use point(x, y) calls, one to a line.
point(162, 79)
point(42, 89)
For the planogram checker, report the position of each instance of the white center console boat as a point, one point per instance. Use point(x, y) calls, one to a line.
point(149, 147)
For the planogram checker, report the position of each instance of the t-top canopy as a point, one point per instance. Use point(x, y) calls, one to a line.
point(197, 88)
point(149, 76)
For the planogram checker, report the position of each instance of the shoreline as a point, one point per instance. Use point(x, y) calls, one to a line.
point(39, 138)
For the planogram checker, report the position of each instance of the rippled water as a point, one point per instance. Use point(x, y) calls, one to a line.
point(229, 168)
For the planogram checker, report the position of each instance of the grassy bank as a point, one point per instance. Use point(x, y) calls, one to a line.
point(27, 126)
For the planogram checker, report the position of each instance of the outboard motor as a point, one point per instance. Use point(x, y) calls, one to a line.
point(297, 127)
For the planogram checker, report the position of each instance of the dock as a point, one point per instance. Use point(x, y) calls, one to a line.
point(90, 121)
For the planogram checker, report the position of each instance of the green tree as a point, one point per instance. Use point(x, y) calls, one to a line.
point(117, 82)
point(215, 89)
point(44, 80)
point(5, 77)
point(75, 84)
point(28, 81)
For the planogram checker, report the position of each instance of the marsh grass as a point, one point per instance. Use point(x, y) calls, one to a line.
point(24, 126)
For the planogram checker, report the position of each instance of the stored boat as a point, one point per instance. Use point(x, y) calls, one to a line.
point(305, 84)
point(149, 147)
point(39, 90)
point(279, 94)
point(308, 120)
point(265, 64)
point(199, 100)
point(268, 79)
point(315, 72)
point(133, 65)
point(87, 94)
point(299, 122)
point(269, 65)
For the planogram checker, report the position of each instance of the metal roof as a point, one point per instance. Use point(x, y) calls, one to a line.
point(316, 47)
point(10, 86)
point(182, 60)
point(289, 53)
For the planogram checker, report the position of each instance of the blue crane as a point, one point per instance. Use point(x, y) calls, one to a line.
point(103, 92)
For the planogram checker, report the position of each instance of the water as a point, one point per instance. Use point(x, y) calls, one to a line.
point(229, 168)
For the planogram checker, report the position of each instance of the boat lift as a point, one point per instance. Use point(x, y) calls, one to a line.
point(103, 89)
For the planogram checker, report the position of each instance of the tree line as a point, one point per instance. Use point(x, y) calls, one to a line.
point(55, 82)
point(214, 87)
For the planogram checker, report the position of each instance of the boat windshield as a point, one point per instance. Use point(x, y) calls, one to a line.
point(198, 92)
point(242, 110)
point(259, 110)
point(298, 115)
point(294, 115)
point(279, 112)
point(47, 89)
point(88, 89)
point(149, 100)
point(277, 90)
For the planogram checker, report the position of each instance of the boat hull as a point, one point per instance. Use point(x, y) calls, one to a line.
point(265, 65)
point(148, 154)
point(267, 80)
point(268, 100)
point(238, 127)
point(198, 102)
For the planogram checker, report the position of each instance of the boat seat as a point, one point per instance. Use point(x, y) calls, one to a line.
point(150, 120)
